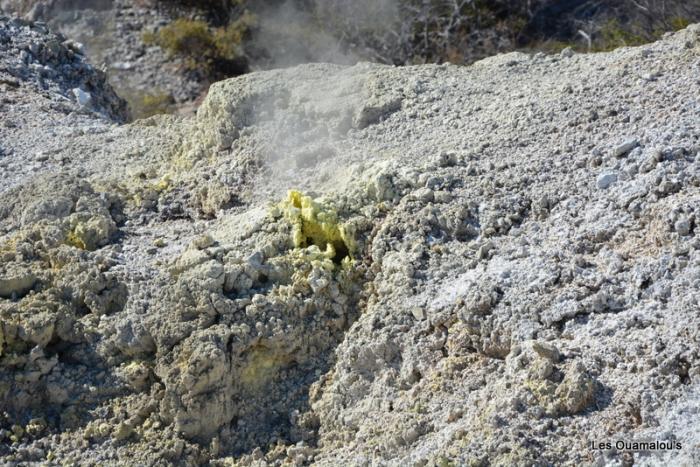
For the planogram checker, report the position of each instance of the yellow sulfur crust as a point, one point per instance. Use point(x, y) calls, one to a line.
point(317, 224)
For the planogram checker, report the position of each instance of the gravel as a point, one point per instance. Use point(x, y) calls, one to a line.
point(360, 265)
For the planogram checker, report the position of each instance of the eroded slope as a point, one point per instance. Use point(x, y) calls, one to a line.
point(490, 265)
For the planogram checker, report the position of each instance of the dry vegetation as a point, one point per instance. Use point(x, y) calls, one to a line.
point(213, 50)
point(223, 37)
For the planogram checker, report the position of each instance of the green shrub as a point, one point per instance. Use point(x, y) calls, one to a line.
point(184, 37)
point(403, 31)
point(229, 40)
point(203, 48)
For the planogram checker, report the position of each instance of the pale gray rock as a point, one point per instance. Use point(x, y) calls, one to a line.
point(491, 308)
point(625, 147)
point(605, 180)
point(81, 97)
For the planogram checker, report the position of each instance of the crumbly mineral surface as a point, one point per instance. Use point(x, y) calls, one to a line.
point(436, 265)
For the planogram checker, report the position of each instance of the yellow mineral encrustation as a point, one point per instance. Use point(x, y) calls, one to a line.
point(316, 223)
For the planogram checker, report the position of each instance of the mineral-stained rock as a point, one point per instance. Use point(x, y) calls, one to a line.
point(354, 265)
point(576, 391)
point(15, 282)
point(49, 63)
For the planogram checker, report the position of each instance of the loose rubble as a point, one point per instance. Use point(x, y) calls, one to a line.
point(433, 265)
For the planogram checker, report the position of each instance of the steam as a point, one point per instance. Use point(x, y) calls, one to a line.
point(304, 135)
point(323, 31)
point(302, 127)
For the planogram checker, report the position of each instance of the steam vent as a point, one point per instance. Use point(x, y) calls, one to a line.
point(494, 264)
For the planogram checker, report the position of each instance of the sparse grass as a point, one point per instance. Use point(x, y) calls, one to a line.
point(228, 34)
point(613, 34)
point(155, 104)
point(679, 22)
point(147, 104)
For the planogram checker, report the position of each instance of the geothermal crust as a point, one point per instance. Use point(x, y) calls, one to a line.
point(436, 265)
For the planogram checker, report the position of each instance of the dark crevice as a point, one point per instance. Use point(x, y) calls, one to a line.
point(341, 252)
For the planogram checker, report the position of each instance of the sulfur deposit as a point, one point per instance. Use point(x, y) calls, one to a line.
point(488, 265)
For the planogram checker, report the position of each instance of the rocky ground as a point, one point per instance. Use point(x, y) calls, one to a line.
point(488, 265)
point(110, 32)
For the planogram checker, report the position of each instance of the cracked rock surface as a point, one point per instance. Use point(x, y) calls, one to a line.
point(436, 265)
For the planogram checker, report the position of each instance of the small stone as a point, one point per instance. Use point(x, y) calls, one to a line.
point(159, 242)
point(576, 392)
point(454, 415)
point(595, 160)
point(203, 241)
point(382, 187)
point(124, 66)
point(667, 187)
point(541, 369)
point(36, 426)
point(567, 52)
point(137, 375)
point(411, 435)
point(425, 194)
point(434, 183)
point(605, 180)
point(418, 313)
point(122, 431)
point(317, 284)
point(75, 46)
point(443, 196)
point(446, 159)
point(83, 98)
point(547, 351)
point(632, 170)
point(649, 163)
point(17, 282)
point(682, 226)
point(625, 147)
